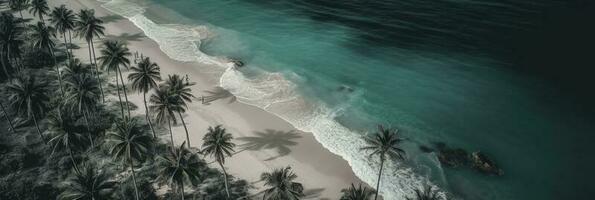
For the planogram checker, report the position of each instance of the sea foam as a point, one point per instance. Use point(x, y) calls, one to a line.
point(277, 95)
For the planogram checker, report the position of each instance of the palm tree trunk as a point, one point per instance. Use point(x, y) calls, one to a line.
point(90, 56)
point(7, 118)
point(124, 89)
point(186, 129)
point(76, 168)
point(88, 127)
point(133, 175)
point(2, 60)
point(119, 96)
point(92, 46)
point(38, 130)
point(57, 70)
point(147, 115)
point(379, 175)
point(225, 178)
point(182, 187)
point(70, 41)
point(171, 134)
point(66, 46)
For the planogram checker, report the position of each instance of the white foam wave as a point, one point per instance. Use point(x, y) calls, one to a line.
point(274, 93)
point(277, 95)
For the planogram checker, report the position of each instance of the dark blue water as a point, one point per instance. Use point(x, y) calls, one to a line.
point(509, 78)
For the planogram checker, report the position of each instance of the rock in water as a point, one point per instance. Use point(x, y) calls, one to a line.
point(237, 63)
point(453, 157)
point(425, 149)
point(484, 165)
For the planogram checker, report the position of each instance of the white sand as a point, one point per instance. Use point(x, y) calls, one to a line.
point(322, 173)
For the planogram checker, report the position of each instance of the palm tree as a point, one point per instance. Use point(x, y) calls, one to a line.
point(39, 8)
point(281, 185)
point(89, 27)
point(18, 6)
point(130, 143)
point(29, 96)
point(144, 78)
point(82, 93)
point(73, 69)
point(183, 92)
point(165, 104)
point(114, 55)
point(65, 134)
point(384, 144)
point(90, 184)
point(7, 118)
point(63, 19)
point(179, 166)
point(42, 39)
point(357, 193)
point(10, 40)
point(426, 193)
point(218, 144)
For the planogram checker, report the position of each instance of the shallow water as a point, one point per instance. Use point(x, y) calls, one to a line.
point(440, 71)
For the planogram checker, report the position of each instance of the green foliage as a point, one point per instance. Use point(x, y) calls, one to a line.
point(428, 192)
point(91, 183)
point(144, 77)
point(281, 185)
point(217, 143)
point(179, 166)
point(357, 193)
point(165, 104)
point(39, 8)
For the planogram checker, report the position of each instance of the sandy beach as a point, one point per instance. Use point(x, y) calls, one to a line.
point(264, 141)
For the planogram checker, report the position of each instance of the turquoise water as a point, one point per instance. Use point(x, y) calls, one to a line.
point(437, 70)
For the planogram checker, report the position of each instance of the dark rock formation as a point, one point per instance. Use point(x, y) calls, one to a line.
point(483, 164)
point(425, 149)
point(453, 157)
point(237, 63)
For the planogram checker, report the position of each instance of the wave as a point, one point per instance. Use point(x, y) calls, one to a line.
point(274, 93)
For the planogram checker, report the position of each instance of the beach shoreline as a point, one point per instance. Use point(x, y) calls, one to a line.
point(266, 141)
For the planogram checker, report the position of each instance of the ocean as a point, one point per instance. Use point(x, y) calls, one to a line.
point(508, 78)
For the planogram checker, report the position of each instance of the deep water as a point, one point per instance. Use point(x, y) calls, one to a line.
point(506, 77)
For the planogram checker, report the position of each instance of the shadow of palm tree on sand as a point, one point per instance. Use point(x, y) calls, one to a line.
point(216, 94)
point(271, 139)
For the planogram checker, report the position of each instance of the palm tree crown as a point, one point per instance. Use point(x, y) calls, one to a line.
point(426, 193)
point(62, 18)
point(165, 104)
point(281, 185)
point(145, 76)
point(385, 143)
point(75, 68)
point(181, 89)
point(82, 92)
point(217, 143)
point(129, 142)
point(114, 54)
point(88, 26)
point(89, 184)
point(18, 5)
point(28, 95)
point(39, 8)
point(42, 36)
point(179, 166)
point(357, 193)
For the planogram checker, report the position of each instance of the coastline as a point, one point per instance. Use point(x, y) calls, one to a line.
point(275, 143)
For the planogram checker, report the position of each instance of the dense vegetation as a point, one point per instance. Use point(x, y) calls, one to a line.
point(62, 138)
